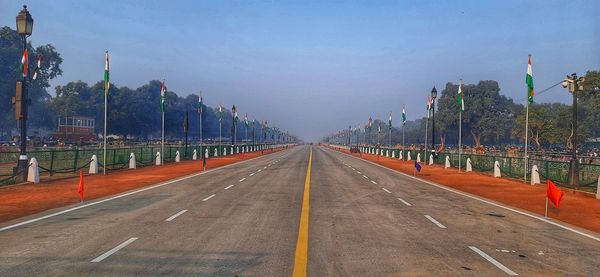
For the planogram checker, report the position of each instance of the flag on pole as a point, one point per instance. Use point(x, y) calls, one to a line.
point(246, 120)
point(200, 104)
point(24, 63)
point(390, 121)
point(106, 76)
point(460, 99)
point(370, 123)
point(417, 166)
point(379, 127)
point(162, 97)
point(554, 194)
point(36, 71)
point(220, 113)
point(529, 82)
point(428, 106)
point(403, 115)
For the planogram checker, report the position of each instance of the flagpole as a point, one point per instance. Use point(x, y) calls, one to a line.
point(201, 150)
point(402, 152)
point(105, 112)
point(546, 212)
point(426, 129)
point(459, 139)
point(526, 139)
point(162, 146)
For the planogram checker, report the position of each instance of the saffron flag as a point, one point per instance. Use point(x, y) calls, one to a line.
point(80, 189)
point(460, 98)
point(106, 76)
point(529, 82)
point(417, 166)
point(24, 63)
point(36, 71)
point(554, 194)
point(162, 97)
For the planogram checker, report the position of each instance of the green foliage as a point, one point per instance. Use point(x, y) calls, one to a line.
point(10, 57)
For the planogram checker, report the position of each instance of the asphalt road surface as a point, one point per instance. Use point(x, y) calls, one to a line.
point(256, 218)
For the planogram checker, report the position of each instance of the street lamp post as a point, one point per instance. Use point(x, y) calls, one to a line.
point(433, 96)
point(24, 28)
point(574, 84)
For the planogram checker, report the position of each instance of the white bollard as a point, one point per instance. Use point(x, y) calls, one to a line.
point(224, 151)
point(158, 160)
point(132, 164)
point(469, 165)
point(408, 158)
point(93, 165)
point(431, 159)
point(447, 164)
point(598, 189)
point(195, 155)
point(231, 150)
point(177, 157)
point(497, 169)
point(418, 157)
point(206, 153)
point(243, 150)
point(33, 171)
point(535, 175)
point(400, 155)
point(393, 154)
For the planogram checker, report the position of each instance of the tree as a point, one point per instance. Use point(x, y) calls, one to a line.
point(40, 116)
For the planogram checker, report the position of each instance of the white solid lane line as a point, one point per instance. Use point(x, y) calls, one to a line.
point(493, 261)
point(435, 222)
point(208, 197)
point(373, 182)
point(228, 187)
point(386, 190)
point(241, 180)
point(176, 215)
point(405, 203)
point(112, 251)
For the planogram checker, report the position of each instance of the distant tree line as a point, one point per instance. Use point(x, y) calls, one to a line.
point(131, 112)
point(494, 119)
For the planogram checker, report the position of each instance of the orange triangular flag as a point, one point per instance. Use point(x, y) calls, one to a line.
point(80, 185)
point(554, 194)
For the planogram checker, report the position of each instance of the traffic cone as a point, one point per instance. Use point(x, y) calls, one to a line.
point(80, 185)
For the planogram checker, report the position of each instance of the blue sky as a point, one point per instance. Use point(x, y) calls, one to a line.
point(313, 67)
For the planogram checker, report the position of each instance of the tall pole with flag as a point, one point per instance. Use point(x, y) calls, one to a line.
point(403, 124)
point(200, 113)
point(162, 109)
point(220, 114)
point(427, 125)
point(390, 129)
point(530, 94)
point(369, 126)
point(246, 123)
point(460, 99)
point(106, 90)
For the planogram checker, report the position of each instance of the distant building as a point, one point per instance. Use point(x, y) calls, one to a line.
point(75, 128)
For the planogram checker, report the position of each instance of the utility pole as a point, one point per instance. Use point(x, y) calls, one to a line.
point(574, 84)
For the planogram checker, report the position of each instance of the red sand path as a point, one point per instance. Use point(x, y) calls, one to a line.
point(576, 208)
point(26, 199)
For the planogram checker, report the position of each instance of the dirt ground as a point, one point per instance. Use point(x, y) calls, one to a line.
point(21, 200)
point(576, 208)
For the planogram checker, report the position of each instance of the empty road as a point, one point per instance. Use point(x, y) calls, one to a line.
point(304, 211)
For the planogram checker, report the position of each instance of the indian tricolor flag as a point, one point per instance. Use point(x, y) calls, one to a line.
point(200, 104)
point(403, 115)
point(162, 97)
point(24, 63)
point(428, 106)
point(38, 66)
point(460, 98)
point(106, 75)
point(529, 82)
point(390, 121)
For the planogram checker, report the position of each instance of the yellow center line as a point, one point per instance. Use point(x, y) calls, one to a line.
point(301, 257)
